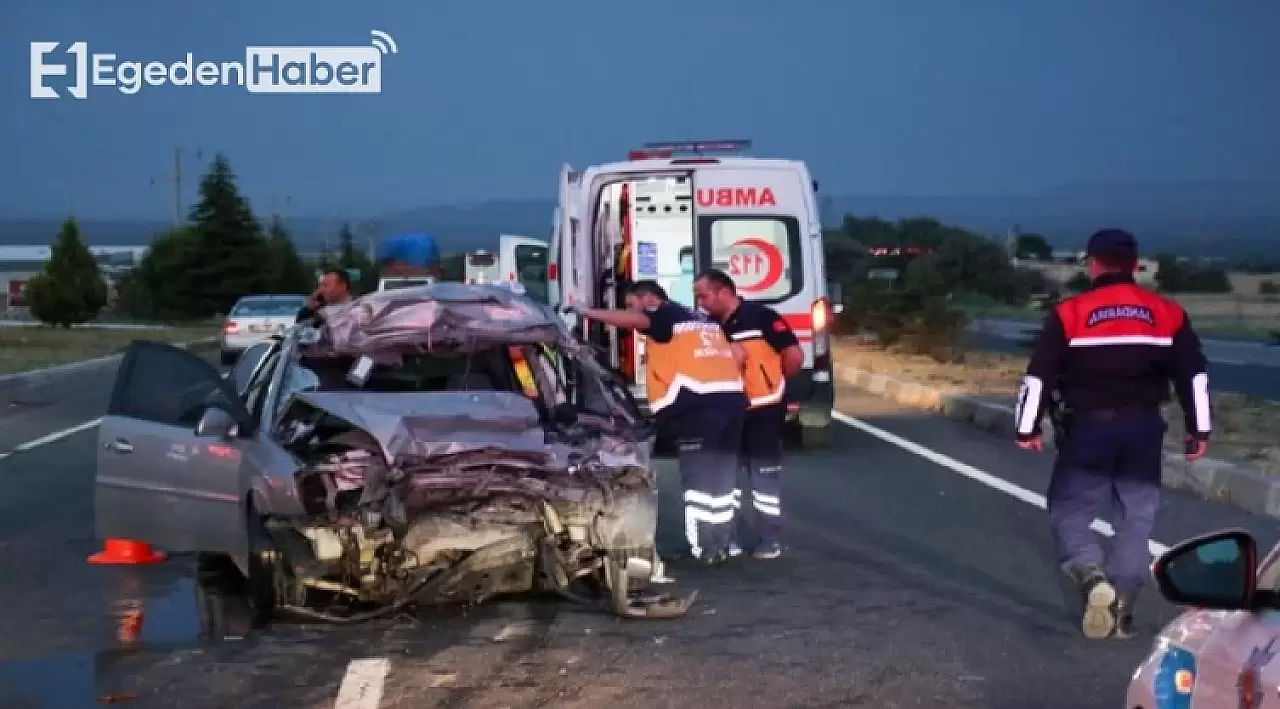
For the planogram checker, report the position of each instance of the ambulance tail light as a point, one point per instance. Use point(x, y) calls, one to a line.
point(821, 312)
point(553, 272)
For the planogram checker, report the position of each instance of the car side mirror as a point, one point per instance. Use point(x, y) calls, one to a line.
point(217, 422)
point(1217, 571)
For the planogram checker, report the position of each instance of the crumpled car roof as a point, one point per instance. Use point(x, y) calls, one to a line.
point(460, 317)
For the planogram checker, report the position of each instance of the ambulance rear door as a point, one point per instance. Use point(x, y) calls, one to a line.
point(523, 260)
point(756, 221)
point(661, 231)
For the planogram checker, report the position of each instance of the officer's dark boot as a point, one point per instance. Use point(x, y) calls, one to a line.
point(1124, 616)
point(1098, 619)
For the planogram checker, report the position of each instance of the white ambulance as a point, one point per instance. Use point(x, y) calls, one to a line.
point(673, 209)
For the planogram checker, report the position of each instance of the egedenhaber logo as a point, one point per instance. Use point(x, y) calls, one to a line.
point(265, 70)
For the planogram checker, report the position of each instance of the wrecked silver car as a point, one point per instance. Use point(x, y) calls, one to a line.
point(438, 444)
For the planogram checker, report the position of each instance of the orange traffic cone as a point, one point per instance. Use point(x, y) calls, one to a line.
point(126, 551)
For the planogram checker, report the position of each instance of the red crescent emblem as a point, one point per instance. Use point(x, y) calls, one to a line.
point(773, 259)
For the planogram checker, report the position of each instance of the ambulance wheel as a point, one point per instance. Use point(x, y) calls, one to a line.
point(814, 436)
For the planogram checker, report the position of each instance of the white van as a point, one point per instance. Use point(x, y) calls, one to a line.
point(481, 266)
point(673, 209)
point(523, 260)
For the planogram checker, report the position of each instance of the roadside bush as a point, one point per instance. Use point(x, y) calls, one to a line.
point(69, 290)
point(907, 320)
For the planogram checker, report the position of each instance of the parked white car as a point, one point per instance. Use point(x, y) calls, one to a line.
point(256, 318)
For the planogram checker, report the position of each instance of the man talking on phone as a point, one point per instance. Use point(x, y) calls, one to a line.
point(334, 288)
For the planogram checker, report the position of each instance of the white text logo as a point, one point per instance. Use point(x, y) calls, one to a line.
point(265, 70)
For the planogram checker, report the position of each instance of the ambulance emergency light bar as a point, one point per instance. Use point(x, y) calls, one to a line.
point(685, 147)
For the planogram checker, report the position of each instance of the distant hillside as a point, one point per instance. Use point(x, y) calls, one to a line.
point(1231, 219)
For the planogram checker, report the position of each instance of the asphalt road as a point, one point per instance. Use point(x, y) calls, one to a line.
point(1246, 367)
point(905, 584)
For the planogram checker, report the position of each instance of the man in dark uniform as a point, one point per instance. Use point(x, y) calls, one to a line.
point(693, 382)
point(1110, 353)
point(772, 354)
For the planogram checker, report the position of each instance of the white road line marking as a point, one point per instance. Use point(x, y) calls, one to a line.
point(361, 686)
point(52, 437)
point(1034, 499)
point(56, 436)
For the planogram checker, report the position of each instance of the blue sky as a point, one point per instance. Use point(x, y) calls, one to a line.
point(487, 98)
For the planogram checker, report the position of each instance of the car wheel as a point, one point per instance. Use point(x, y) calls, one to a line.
point(814, 436)
point(260, 586)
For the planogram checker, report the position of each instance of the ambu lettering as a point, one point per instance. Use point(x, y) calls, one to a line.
point(736, 197)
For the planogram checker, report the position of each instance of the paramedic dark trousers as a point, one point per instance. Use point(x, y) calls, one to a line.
point(708, 439)
point(1109, 460)
point(762, 459)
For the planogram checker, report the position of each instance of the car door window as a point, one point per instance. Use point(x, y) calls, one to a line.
point(248, 365)
point(169, 386)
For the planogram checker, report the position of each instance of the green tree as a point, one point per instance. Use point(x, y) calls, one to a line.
point(347, 254)
point(452, 267)
point(69, 289)
point(1033, 246)
point(289, 273)
point(152, 290)
point(227, 252)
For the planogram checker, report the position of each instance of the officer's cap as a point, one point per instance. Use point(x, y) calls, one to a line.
point(1112, 242)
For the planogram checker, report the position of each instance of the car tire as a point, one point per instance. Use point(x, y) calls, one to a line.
point(260, 584)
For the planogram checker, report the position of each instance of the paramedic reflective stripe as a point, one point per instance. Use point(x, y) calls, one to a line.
point(1110, 340)
point(707, 509)
point(765, 504)
point(747, 335)
point(697, 359)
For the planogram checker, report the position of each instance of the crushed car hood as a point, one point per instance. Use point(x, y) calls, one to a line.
point(432, 424)
point(461, 317)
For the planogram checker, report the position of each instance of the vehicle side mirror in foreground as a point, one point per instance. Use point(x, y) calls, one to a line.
point(217, 422)
point(1217, 571)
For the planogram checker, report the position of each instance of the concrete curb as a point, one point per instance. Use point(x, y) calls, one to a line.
point(1210, 478)
point(37, 377)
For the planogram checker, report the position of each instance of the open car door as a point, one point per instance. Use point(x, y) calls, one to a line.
point(157, 481)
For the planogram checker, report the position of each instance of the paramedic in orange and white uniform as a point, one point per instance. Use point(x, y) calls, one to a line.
point(694, 385)
point(772, 354)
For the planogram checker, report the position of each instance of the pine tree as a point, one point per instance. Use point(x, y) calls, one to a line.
point(347, 257)
point(69, 289)
point(289, 274)
point(227, 252)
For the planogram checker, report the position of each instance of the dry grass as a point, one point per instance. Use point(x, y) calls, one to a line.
point(1246, 430)
point(26, 348)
